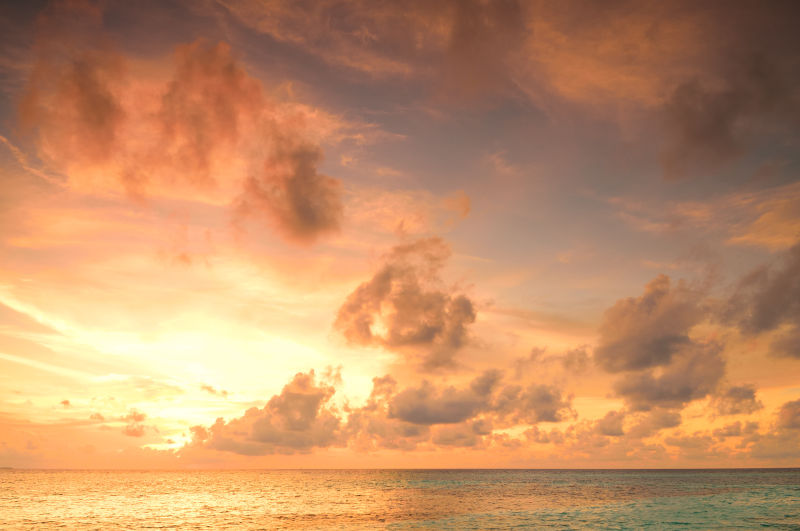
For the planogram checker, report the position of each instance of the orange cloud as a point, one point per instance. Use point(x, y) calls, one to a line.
point(209, 130)
point(297, 420)
point(405, 307)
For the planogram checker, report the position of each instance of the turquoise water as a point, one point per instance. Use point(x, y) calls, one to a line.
point(401, 499)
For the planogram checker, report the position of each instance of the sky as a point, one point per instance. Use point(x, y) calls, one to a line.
point(450, 233)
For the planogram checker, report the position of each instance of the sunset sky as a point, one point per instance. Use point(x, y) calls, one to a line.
point(325, 233)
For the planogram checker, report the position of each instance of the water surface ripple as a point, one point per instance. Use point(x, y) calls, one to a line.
point(401, 499)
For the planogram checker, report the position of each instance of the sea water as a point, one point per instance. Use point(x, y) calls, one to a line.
point(401, 499)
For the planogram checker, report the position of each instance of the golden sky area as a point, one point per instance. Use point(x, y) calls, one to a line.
point(335, 234)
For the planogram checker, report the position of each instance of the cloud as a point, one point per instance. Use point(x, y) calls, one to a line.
point(370, 427)
point(214, 391)
point(450, 415)
point(573, 361)
point(643, 332)
point(736, 400)
point(768, 299)
point(735, 429)
point(406, 308)
point(481, 43)
point(302, 203)
point(534, 403)
point(783, 441)
point(209, 111)
point(208, 130)
point(654, 421)
point(135, 423)
point(694, 373)
point(409, 213)
point(71, 99)
point(428, 405)
point(298, 419)
point(789, 416)
point(611, 424)
point(466, 435)
point(463, 48)
point(766, 217)
point(710, 121)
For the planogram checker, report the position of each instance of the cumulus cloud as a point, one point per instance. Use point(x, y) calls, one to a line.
point(736, 400)
point(768, 299)
point(735, 429)
point(647, 338)
point(783, 441)
point(646, 331)
point(297, 420)
point(468, 434)
point(534, 403)
point(611, 424)
point(450, 415)
point(428, 405)
point(573, 361)
point(405, 307)
point(654, 421)
point(370, 426)
point(694, 374)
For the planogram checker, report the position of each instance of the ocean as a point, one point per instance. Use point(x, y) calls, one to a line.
point(401, 499)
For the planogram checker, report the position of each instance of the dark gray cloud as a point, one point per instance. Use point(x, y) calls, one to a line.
point(787, 344)
point(736, 400)
point(654, 421)
point(428, 405)
point(789, 416)
point(534, 403)
point(751, 78)
point(301, 202)
point(450, 415)
point(768, 299)
point(644, 332)
point(611, 424)
point(297, 420)
point(693, 374)
point(576, 360)
point(405, 307)
point(736, 429)
point(468, 434)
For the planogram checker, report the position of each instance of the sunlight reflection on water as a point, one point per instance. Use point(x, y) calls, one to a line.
point(359, 499)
